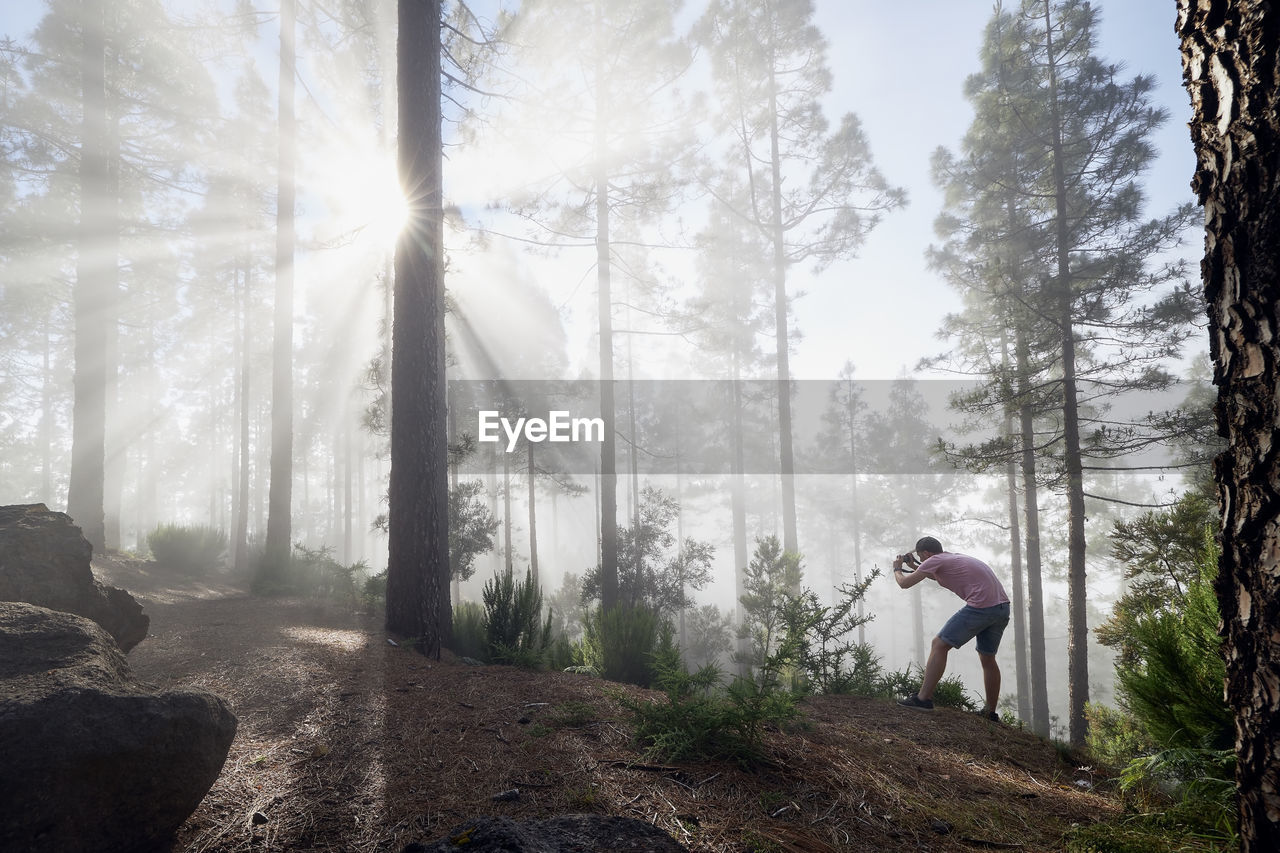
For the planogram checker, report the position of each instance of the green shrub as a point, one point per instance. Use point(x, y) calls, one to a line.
point(1203, 784)
point(699, 722)
point(315, 572)
point(191, 549)
point(901, 682)
point(1170, 678)
point(619, 643)
point(1175, 686)
point(1115, 737)
point(950, 693)
point(863, 674)
point(469, 639)
point(375, 589)
point(515, 631)
point(560, 654)
point(1139, 834)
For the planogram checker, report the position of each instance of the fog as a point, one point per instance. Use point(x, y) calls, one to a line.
point(887, 324)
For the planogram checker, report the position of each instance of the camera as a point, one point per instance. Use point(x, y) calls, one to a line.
point(908, 559)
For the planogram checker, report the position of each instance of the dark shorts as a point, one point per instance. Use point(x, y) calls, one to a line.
point(985, 623)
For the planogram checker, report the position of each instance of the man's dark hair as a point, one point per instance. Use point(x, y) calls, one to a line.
point(930, 544)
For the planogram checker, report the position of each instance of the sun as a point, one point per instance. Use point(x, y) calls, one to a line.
point(389, 210)
point(362, 199)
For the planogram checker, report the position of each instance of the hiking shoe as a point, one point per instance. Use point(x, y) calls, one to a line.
point(917, 703)
point(989, 715)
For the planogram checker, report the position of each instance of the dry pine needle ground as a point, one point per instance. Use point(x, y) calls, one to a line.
point(347, 743)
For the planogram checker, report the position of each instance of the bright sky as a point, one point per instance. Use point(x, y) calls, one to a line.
point(900, 67)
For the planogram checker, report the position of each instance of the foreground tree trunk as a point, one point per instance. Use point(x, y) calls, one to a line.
point(1230, 57)
point(418, 548)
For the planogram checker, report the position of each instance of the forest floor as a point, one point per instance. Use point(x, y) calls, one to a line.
point(348, 743)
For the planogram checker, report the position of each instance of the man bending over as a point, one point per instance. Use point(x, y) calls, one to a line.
point(984, 616)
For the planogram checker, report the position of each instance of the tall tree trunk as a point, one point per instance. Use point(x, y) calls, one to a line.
point(115, 446)
point(533, 514)
point(508, 552)
point(348, 487)
point(1230, 53)
point(682, 627)
point(608, 452)
point(455, 578)
point(91, 294)
point(280, 494)
point(495, 555)
point(633, 442)
point(855, 513)
point(738, 501)
point(1015, 565)
point(46, 408)
point(786, 459)
point(1037, 662)
point(1077, 610)
point(418, 548)
point(240, 535)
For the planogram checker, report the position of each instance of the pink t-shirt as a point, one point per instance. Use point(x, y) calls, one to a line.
point(968, 577)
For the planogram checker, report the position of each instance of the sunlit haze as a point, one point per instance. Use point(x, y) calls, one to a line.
point(184, 257)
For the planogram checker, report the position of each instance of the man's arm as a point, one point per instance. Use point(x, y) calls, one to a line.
point(905, 579)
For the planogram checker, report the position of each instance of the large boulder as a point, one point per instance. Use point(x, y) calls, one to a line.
point(44, 560)
point(578, 832)
point(94, 761)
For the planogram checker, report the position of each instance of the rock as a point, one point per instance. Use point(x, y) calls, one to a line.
point(586, 833)
point(94, 761)
point(44, 560)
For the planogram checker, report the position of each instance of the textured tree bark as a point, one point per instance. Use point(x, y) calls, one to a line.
point(418, 512)
point(1231, 67)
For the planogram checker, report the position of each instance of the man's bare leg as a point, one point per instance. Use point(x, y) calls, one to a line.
point(934, 667)
point(990, 680)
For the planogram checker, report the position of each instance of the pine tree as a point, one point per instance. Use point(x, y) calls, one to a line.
point(602, 71)
point(418, 559)
point(728, 315)
point(1051, 170)
point(769, 69)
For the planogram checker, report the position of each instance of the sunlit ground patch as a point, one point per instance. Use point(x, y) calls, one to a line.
point(347, 641)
